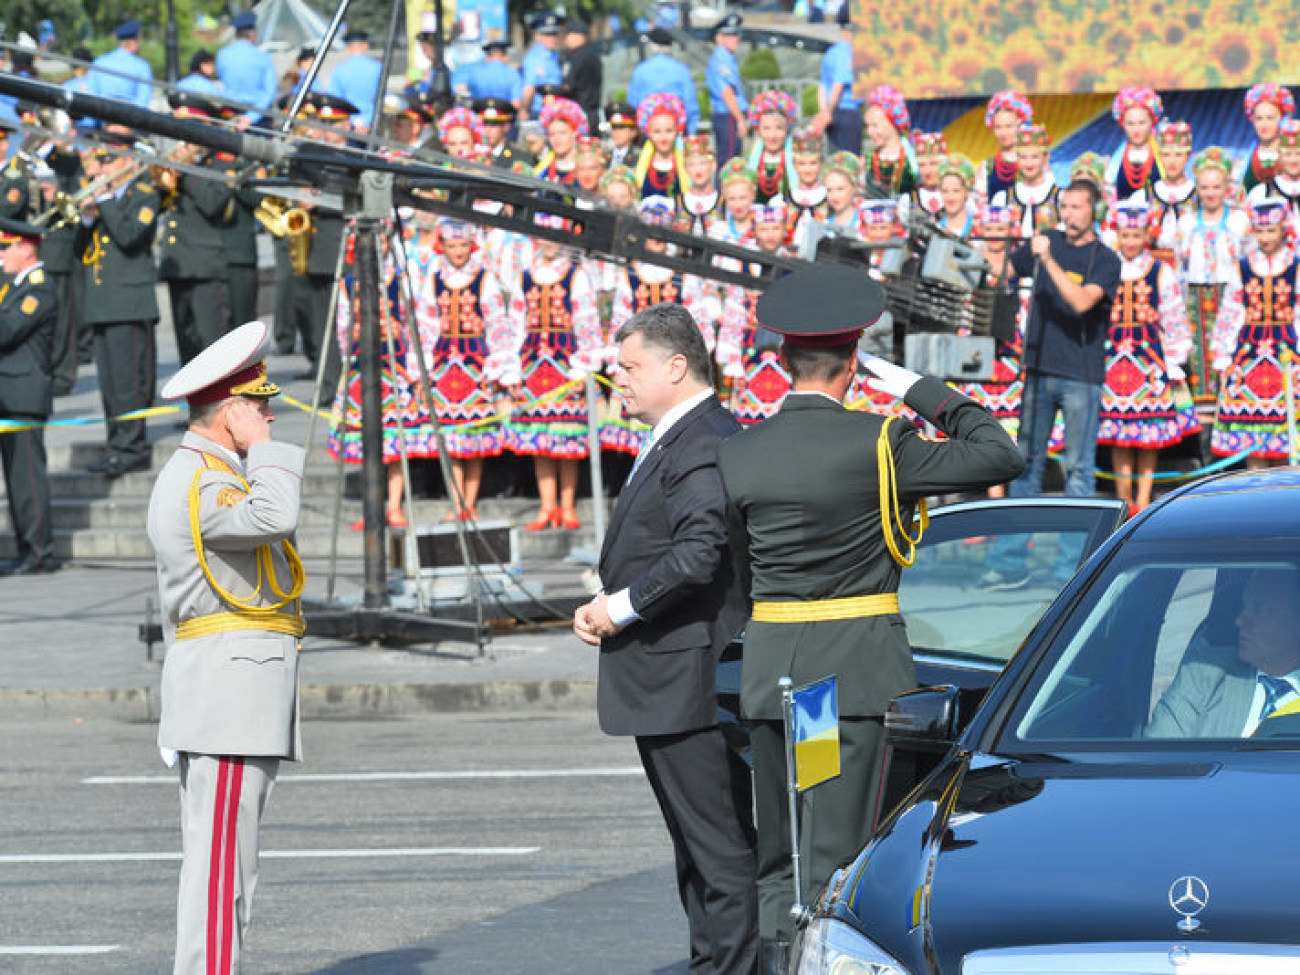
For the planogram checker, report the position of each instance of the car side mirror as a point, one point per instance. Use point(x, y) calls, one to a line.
point(926, 716)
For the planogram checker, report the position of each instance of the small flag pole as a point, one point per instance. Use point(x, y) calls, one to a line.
point(792, 792)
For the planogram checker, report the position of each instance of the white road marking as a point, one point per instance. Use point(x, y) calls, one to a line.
point(454, 775)
point(412, 851)
point(58, 949)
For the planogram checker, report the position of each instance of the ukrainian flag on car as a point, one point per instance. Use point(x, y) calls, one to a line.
point(815, 727)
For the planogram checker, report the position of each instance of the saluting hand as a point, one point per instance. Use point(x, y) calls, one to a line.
point(249, 422)
point(887, 377)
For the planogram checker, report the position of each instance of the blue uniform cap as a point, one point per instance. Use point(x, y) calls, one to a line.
point(730, 24)
point(128, 31)
point(355, 35)
point(496, 44)
point(660, 37)
point(547, 23)
point(245, 21)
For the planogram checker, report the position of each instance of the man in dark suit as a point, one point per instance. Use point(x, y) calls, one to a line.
point(825, 550)
point(29, 312)
point(673, 601)
point(583, 69)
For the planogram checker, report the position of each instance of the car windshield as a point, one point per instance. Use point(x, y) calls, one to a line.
point(1172, 643)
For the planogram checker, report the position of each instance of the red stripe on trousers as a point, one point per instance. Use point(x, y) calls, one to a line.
point(221, 867)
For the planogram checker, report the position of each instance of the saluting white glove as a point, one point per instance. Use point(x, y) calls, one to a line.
point(1175, 373)
point(888, 378)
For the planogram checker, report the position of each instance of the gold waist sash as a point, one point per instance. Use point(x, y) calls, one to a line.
point(823, 610)
point(273, 622)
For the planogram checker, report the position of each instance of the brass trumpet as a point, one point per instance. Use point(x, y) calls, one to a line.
point(290, 222)
point(65, 208)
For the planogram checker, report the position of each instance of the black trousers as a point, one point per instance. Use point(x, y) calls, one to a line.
point(835, 818)
point(284, 323)
point(23, 455)
point(845, 130)
point(200, 313)
point(71, 289)
point(726, 137)
point(704, 793)
point(313, 322)
point(125, 358)
point(242, 296)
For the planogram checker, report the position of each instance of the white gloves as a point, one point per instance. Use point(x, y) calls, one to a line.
point(888, 378)
point(1175, 373)
point(1221, 363)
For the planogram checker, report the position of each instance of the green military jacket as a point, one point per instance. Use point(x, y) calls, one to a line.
point(59, 248)
point(119, 268)
point(193, 231)
point(326, 239)
point(239, 233)
point(803, 488)
point(29, 309)
point(15, 191)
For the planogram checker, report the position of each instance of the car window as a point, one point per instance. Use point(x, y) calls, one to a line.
point(1171, 645)
point(946, 599)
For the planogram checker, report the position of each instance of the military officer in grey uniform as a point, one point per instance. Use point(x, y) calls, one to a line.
point(825, 550)
point(117, 234)
point(192, 252)
point(221, 520)
point(29, 311)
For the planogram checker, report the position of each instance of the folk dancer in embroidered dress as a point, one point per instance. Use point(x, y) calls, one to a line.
point(882, 226)
point(701, 199)
point(590, 164)
point(931, 150)
point(735, 224)
point(1091, 167)
point(1035, 192)
point(460, 131)
point(1135, 166)
point(1148, 343)
point(564, 122)
point(748, 355)
point(843, 210)
point(807, 197)
point(554, 311)
point(956, 184)
point(772, 114)
point(1266, 105)
point(998, 229)
point(1006, 112)
point(470, 346)
point(660, 168)
point(893, 163)
point(1254, 342)
point(1175, 193)
point(399, 373)
point(640, 285)
point(1285, 184)
point(1210, 244)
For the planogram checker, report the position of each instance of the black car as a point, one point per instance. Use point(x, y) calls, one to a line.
point(1124, 799)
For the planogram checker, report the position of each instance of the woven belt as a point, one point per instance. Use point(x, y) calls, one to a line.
point(822, 610)
point(291, 625)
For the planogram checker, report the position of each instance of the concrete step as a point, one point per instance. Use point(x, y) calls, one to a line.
point(318, 482)
point(75, 456)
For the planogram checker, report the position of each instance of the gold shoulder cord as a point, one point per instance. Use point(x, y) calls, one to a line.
point(265, 567)
point(889, 502)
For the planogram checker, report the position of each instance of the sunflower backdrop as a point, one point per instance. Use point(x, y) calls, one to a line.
point(977, 47)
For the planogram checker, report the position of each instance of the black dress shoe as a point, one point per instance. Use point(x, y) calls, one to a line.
point(284, 350)
point(32, 566)
point(99, 466)
point(119, 465)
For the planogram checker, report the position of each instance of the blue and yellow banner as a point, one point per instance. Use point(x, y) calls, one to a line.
point(815, 728)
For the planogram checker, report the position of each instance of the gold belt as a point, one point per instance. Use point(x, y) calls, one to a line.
point(292, 625)
point(822, 610)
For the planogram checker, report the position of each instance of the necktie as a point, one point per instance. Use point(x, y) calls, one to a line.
point(1275, 688)
point(642, 454)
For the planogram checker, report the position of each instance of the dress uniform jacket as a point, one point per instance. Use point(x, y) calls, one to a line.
point(120, 270)
point(232, 692)
point(29, 311)
point(193, 231)
point(14, 191)
point(805, 485)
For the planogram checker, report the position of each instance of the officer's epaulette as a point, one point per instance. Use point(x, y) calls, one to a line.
point(37, 276)
point(145, 186)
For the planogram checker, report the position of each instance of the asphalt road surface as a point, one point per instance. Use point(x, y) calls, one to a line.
point(468, 844)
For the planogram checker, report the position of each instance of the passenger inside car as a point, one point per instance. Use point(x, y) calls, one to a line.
point(1217, 695)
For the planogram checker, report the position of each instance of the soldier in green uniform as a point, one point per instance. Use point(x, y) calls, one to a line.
point(240, 241)
point(29, 309)
point(14, 197)
point(192, 252)
point(498, 117)
point(117, 233)
point(63, 266)
point(825, 548)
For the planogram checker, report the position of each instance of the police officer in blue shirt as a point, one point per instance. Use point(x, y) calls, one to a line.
point(663, 72)
point(727, 100)
point(541, 64)
point(840, 113)
point(131, 75)
point(202, 79)
point(494, 76)
point(356, 79)
point(246, 71)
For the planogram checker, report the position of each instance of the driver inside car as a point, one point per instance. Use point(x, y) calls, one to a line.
point(1232, 697)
